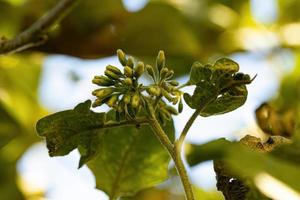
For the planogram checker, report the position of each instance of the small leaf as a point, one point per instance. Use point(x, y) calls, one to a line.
point(199, 73)
point(66, 130)
point(218, 89)
point(227, 102)
point(226, 64)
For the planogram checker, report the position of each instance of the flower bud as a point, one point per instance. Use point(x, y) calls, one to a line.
point(103, 92)
point(167, 95)
point(171, 110)
point(170, 74)
point(154, 91)
point(97, 103)
point(167, 87)
point(126, 98)
point(128, 71)
point(128, 81)
point(174, 83)
point(111, 74)
point(130, 62)
point(112, 101)
point(150, 71)
point(103, 81)
point(135, 100)
point(114, 69)
point(160, 60)
point(180, 106)
point(139, 70)
point(163, 73)
point(122, 57)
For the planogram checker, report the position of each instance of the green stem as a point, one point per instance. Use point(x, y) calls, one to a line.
point(186, 128)
point(174, 152)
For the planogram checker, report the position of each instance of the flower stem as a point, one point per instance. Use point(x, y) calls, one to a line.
point(174, 152)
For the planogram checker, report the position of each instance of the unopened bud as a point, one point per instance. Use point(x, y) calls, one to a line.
point(174, 83)
point(135, 100)
point(167, 95)
point(163, 73)
point(114, 69)
point(139, 70)
point(160, 60)
point(122, 57)
point(111, 74)
point(128, 81)
point(150, 71)
point(180, 106)
point(155, 91)
point(130, 62)
point(128, 71)
point(171, 110)
point(126, 98)
point(170, 74)
point(103, 92)
point(102, 81)
point(112, 101)
point(97, 103)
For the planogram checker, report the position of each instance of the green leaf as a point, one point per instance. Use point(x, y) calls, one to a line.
point(219, 88)
point(130, 159)
point(227, 102)
point(66, 130)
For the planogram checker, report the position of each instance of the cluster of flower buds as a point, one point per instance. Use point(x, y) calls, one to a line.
point(164, 85)
point(121, 91)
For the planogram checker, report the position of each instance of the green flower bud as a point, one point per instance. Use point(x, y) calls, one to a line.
point(150, 71)
point(174, 83)
point(171, 110)
point(139, 70)
point(126, 98)
point(167, 95)
point(103, 81)
point(97, 103)
point(155, 91)
point(122, 57)
point(128, 71)
point(103, 92)
point(170, 74)
point(163, 73)
point(128, 81)
point(111, 74)
point(135, 100)
point(112, 101)
point(130, 62)
point(180, 106)
point(114, 69)
point(167, 87)
point(160, 60)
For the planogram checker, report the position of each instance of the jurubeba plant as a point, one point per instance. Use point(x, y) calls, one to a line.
point(129, 147)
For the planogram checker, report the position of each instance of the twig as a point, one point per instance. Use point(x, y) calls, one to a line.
point(35, 35)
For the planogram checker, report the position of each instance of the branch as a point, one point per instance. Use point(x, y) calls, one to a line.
point(35, 35)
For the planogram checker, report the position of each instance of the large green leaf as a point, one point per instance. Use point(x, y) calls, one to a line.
point(130, 159)
point(124, 160)
point(66, 130)
point(219, 88)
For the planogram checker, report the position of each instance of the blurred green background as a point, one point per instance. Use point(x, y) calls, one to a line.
point(255, 32)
